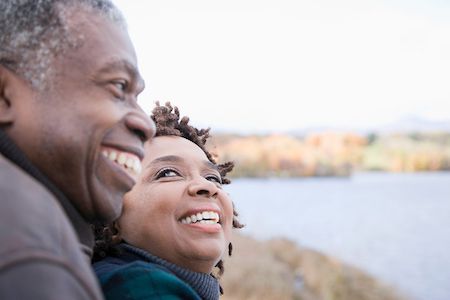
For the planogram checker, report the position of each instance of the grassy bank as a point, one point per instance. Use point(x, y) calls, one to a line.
point(280, 269)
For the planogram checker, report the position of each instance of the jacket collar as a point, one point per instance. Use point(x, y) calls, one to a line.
point(204, 284)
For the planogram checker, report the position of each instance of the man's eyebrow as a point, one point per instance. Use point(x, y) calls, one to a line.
point(119, 65)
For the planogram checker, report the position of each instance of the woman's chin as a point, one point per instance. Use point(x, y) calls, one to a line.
point(202, 261)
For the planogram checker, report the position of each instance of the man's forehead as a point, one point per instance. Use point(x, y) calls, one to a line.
point(101, 39)
point(81, 20)
point(80, 12)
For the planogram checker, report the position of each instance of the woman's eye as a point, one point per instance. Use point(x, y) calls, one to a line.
point(214, 178)
point(167, 173)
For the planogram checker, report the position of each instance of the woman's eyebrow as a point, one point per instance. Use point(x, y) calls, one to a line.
point(162, 160)
point(179, 159)
point(211, 165)
point(168, 158)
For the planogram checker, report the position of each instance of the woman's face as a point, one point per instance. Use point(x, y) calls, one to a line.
point(177, 187)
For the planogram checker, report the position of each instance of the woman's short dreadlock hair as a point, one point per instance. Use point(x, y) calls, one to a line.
point(168, 122)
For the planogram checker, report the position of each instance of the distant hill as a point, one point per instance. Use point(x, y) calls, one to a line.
point(415, 124)
point(405, 125)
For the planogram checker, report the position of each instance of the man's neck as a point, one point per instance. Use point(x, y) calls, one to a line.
point(83, 229)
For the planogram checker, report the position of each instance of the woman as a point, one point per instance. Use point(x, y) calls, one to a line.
point(176, 222)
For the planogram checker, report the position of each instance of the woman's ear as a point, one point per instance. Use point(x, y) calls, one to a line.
point(116, 227)
point(115, 237)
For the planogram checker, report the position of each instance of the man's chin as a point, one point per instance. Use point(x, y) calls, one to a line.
point(108, 207)
point(109, 187)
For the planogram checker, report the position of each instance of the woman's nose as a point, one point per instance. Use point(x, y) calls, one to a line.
point(200, 186)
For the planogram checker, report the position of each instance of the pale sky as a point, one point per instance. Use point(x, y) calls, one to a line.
point(275, 65)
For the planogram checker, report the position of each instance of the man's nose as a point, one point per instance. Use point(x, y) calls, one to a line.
point(141, 125)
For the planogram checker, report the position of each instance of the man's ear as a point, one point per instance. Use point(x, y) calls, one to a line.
point(12, 88)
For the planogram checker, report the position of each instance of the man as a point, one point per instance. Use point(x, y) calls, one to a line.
point(71, 140)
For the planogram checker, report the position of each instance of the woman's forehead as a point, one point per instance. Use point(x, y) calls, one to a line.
point(163, 146)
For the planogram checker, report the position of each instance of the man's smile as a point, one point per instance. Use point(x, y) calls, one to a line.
point(130, 163)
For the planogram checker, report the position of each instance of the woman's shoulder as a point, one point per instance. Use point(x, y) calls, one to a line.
point(140, 280)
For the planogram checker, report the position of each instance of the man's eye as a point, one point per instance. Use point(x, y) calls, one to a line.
point(167, 173)
point(121, 85)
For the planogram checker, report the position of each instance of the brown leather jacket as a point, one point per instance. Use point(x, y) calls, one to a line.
point(40, 254)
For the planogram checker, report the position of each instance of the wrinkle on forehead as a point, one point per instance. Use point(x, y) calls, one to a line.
point(82, 10)
point(99, 45)
point(80, 19)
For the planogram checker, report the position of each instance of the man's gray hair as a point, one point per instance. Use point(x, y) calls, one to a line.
point(33, 32)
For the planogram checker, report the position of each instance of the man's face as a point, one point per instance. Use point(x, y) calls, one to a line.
point(86, 131)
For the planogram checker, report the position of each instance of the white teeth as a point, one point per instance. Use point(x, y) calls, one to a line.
point(205, 217)
point(137, 166)
point(130, 163)
point(113, 155)
point(126, 160)
point(122, 158)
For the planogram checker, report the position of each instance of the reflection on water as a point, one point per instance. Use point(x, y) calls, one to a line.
point(395, 226)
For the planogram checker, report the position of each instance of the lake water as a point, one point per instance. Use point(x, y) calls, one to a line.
point(395, 226)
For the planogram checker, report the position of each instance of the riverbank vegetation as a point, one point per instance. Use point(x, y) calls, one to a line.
point(280, 269)
point(332, 153)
